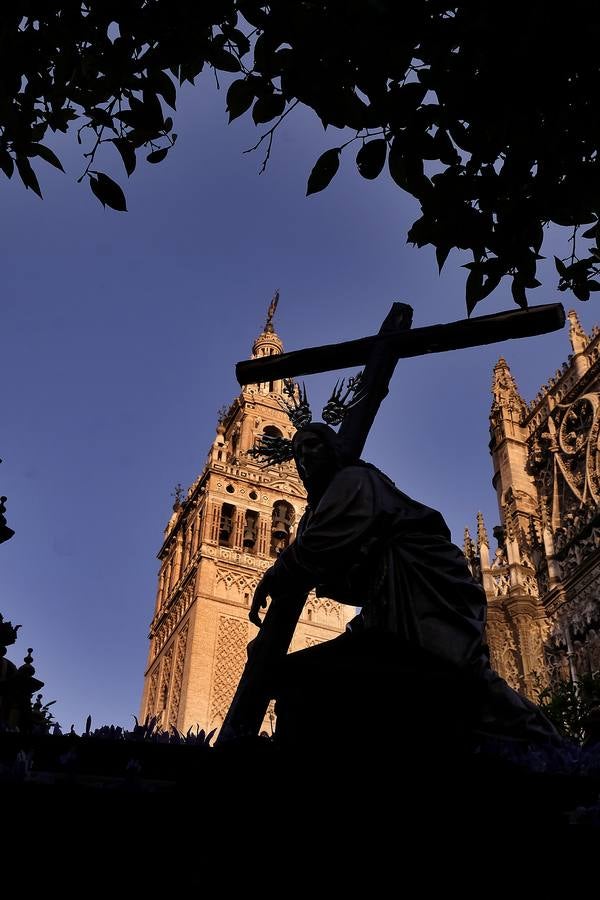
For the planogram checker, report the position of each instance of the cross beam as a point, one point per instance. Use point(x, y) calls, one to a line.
point(404, 344)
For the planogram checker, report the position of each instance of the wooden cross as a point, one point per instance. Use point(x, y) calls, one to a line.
point(379, 354)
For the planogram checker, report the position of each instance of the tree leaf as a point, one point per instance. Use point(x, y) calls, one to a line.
point(581, 291)
point(560, 267)
point(238, 38)
point(268, 107)
point(6, 163)
point(490, 284)
point(421, 232)
point(28, 176)
point(152, 112)
point(108, 192)
point(407, 169)
point(441, 255)
point(473, 290)
point(323, 171)
point(444, 148)
point(370, 159)
point(48, 155)
point(127, 151)
point(164, 86)
point(396, 163)
point(240, 95)
point(224, 60)
point(100, 116)
point(518, 292)
point(157, 155)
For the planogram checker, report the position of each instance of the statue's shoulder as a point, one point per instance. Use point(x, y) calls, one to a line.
point(353, 475)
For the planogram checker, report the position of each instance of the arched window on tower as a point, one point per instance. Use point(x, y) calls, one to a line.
point(281, 527)
point(250, 530)
point(226, 525)
point(270, 430)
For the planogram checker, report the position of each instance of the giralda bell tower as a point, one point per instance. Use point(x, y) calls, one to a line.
point(223, 534)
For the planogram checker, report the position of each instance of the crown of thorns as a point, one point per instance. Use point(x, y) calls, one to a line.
point(272, 450)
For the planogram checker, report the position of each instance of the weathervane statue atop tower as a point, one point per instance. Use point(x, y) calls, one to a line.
point(271, 312)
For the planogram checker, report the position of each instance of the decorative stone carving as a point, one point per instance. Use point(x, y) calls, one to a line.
point(178, 609)
point(230, 658)
point(152, 691)
point(323, 610)
point(237, 581)
point(178, 675)
point(163, 693)
point(503, 653)
point(312, 642)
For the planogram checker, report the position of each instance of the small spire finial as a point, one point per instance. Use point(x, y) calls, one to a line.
point(504, 386)
point(482, 535)
point(468, 546)
point(577, 336)
point(271, 312)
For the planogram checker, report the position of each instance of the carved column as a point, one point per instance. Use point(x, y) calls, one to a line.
point(264, 535)
point(178, 559)
point(238, 529)
point(212, 522)
point(554, 573)
point(160, 599)
point(197, 531)
point(483, 548)
point(172, 575)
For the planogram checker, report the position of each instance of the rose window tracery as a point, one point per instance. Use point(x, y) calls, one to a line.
point(576, 425)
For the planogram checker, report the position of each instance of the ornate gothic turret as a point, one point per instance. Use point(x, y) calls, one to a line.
point(544, 583)
point(510, 579)
point(223, 535)
point(514, 485)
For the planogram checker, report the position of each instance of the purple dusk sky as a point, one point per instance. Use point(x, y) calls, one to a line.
point(119, 337)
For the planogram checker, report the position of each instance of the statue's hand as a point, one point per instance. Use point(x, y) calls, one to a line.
point(259, 601)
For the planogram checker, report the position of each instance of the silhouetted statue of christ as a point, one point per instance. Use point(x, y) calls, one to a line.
point(415, 651)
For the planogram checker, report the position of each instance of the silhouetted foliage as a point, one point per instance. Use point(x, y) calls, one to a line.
point(486, 113)
point(575, 708)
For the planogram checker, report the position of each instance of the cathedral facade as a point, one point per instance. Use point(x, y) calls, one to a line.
point(223, 535)
point(543, 579)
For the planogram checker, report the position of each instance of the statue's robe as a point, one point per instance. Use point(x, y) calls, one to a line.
point(420, 629)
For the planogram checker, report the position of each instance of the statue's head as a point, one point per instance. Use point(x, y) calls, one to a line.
point(319, 453)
